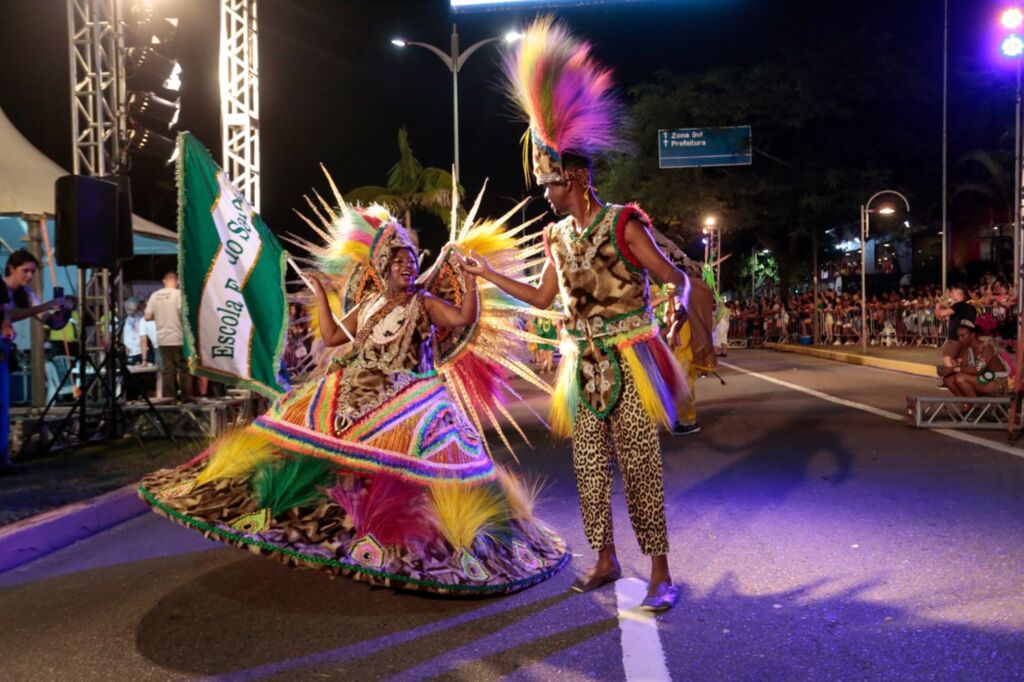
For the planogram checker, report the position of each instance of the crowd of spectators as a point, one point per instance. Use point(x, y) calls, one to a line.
point(906, 316)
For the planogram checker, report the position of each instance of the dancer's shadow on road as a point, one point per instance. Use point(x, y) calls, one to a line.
point(254, 616)
point(772, 464)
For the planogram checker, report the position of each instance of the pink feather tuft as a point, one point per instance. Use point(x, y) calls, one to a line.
point(393, 511)
point(481, 378)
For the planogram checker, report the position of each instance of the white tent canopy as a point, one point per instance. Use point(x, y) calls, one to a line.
point(27, 177)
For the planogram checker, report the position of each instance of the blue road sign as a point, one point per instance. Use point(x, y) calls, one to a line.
point(698, 147)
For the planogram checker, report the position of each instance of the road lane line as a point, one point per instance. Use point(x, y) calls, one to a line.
point(886, 414)
point(642, 656)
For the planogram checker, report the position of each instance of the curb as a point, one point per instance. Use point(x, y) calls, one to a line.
point(915, 368)
point(29, 539)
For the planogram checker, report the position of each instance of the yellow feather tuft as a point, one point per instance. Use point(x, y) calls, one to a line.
point(487, 238)
point(334, 301)
point(235, 454)
point(522, 493)
point(565, 397)
point(653, 405)
point(466, 512)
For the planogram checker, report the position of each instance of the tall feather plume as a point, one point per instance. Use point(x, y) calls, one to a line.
point(564, 93)
point(346, 233)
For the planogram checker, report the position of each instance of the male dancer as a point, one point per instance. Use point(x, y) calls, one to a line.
point(622, 380)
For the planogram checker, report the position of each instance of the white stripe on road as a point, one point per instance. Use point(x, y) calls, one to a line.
point(642, 656)
point(957, 435)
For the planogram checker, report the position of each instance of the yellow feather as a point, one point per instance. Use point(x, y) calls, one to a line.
point(465, 512)
point(487, 238)
point(648, 395)
point(236, 454)
point(565, 398)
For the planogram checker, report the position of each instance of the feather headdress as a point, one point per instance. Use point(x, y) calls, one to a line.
point(566, 96)
point(353, 235)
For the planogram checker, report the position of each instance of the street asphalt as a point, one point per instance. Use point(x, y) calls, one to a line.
point(813, 540)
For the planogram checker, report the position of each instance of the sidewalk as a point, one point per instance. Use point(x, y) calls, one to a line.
point(62, 478)
point(916, 361)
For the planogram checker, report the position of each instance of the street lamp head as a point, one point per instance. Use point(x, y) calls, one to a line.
point(887, 210)
point(1012, 18)
point(1012, 46)
point(710, 221)
point(398, 42)
point(512, 37)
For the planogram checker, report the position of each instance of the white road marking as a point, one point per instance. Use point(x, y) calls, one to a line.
point(886, 414)
point(642, 656)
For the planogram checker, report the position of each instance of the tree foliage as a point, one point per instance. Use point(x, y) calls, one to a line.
point(411, 188)
point(831, 125)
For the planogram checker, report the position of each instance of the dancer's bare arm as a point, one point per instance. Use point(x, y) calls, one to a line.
point(539, 297)
point(331, 331)
point(649, 256)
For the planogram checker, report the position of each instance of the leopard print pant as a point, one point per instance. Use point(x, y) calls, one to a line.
point(629, 436)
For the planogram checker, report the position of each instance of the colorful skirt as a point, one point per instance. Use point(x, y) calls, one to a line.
point(405, 496)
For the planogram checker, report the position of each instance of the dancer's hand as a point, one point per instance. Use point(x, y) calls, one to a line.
point(476, 265)
point(678, 320)
point(314, 283)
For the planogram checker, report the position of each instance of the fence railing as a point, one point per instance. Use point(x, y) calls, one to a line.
point(888, 326)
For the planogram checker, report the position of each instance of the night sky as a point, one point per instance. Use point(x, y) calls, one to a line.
point(333, 88)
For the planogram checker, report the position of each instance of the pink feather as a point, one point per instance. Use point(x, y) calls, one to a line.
point(393, 511)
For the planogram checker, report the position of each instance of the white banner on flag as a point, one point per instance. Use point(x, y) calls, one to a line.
point(224, 336)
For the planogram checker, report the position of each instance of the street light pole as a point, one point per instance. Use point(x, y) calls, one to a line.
point(865, 212)
point(454, 60)
point(945, 139)
point(455, 96)
point(1016, 191)
point(864, 279)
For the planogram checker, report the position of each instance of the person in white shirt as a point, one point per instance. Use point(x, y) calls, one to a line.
point(133, 337)
point(164, 308)
point(147, 333)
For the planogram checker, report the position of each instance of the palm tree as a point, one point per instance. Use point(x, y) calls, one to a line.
point(411, 187)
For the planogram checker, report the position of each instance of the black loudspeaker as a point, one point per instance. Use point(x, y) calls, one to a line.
point(87, 221)
point(125, 243)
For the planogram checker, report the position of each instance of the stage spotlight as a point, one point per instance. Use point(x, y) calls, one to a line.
point(145, 27)
point(1012, 18)
point(1013, 46)
point(145, 141)
point(145, 61)
point(148, 106)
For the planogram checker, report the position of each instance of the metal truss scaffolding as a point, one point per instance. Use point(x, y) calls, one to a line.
point(239, 96)
point(97, 69)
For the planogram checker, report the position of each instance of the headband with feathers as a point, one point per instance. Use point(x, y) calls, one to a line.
point(566, 96)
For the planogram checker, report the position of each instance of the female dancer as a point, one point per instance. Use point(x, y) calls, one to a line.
point(378, 469)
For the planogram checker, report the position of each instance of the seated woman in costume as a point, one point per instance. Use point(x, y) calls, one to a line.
point(378, 469)
point(979, 369)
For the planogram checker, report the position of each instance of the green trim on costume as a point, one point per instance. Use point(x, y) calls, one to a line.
point(326, 561)
point(597, 221)
point(616, 389)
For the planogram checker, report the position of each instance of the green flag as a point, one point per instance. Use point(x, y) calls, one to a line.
point(231, 268)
